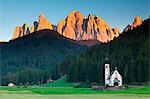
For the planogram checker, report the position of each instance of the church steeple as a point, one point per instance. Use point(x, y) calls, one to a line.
point(107, 73)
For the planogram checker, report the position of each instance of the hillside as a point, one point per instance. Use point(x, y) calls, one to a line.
point(129, 52)
point(61, 82)
point(35, 55)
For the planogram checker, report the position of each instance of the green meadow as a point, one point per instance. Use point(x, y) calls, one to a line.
point(71, 93)
point(61, 89)
point(89, 96)
point(71, 90)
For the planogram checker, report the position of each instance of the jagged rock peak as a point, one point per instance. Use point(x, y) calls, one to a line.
point(128, 27)
point(17, 32)
point(75, 15)
point(116, 31)
point(60, 27)
point(105, 32)
point(34, 27)
point(90, 16)
point(21, 31)
point(137, 21)
point(75, 11)
point(41, 15)
point(71, 27)
point(25, 29)
point(78, 28)
point(43, 23)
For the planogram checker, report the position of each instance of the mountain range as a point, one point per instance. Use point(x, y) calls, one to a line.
point(76, 27)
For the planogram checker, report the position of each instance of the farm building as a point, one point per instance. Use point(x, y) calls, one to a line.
point(11, 84)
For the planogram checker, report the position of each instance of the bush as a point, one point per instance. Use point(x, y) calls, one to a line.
point(76, 85)
point(25, 85)
point(82, 85)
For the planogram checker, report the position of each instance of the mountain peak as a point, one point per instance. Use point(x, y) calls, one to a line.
point(74, 14)
point(43, 23)
point(137, 21)
point(21, 31)
point(25, 29)
point(34, 27)
point(25, 25)
point(128, 27)
point(116, 31)
point(17, 32)
point(71, 25)
point(90, 15)
point(41, 15)
point(75, 11)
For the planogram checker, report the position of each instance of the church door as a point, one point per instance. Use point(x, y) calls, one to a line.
point(116, 82)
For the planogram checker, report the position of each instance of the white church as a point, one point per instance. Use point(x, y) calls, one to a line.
point(113, 78)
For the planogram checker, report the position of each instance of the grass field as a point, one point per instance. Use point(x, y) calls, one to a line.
point(61, 89)
point(71, 90)
point(89, 96)
point(71, 93)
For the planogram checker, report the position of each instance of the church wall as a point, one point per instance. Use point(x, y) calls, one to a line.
point(112, 81)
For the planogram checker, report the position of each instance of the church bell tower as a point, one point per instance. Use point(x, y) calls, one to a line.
point(107, 73)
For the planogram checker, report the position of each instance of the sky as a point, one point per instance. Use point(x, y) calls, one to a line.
point(116, 13)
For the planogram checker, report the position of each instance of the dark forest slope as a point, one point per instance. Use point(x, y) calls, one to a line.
point(35, 53)
point(129, 52)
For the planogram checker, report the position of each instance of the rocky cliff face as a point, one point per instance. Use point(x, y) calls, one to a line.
point(42, 23)
point(76, 27)
point(136, 23)
point(128, 27)
point(21, 31)
point(25, 29)
point(71, 27)
point(17, 32)
point(34, 27)
point(116, 31)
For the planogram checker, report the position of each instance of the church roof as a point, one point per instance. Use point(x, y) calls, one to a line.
point(111, 74)
point(115, 73)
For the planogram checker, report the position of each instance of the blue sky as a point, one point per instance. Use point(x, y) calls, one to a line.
point(116, 13)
